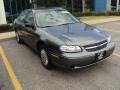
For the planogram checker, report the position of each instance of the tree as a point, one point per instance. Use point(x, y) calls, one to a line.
point(49, 3)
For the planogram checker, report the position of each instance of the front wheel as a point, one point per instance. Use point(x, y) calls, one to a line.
point(45, 57)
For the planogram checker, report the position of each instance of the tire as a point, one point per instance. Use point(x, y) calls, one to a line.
point(18, 39)
point(45, 57)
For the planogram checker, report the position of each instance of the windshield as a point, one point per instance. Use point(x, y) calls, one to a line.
point(54, 18)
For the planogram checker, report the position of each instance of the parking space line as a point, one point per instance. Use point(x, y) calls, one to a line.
point(10, 71)
point(118, 55)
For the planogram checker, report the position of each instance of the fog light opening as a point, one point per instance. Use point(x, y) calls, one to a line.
point(75, 67)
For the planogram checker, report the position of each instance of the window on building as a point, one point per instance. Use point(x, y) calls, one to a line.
point(77, 5)
point(89, 5)
point(14, 7)
point(113, 4)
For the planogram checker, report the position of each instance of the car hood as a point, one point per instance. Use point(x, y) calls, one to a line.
point(77, 34)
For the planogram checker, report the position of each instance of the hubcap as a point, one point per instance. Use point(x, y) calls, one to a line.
point(44, 57)
point(17, 37)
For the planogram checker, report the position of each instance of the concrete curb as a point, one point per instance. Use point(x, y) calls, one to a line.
point(99, 21)
point(10, 35)
point(6, 36)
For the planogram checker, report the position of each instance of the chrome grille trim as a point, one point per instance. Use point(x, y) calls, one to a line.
point(96, 46)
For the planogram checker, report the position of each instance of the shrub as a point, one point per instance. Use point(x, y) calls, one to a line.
point(6, 28)
point(113, 13)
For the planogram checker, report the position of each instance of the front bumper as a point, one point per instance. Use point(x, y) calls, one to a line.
point(81, 59)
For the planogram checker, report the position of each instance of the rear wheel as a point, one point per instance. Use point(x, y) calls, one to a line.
point(45, 57)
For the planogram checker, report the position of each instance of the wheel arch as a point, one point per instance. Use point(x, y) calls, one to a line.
point(40, 43)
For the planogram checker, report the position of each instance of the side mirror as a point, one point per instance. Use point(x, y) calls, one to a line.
point(30, 25)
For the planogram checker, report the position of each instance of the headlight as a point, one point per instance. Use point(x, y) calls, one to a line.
point(70, 48)
point(109, 38)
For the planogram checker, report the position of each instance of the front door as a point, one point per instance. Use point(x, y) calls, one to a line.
point(30, 30)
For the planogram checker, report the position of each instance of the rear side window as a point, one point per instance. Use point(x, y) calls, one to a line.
point(22, 15)
point(29, 17)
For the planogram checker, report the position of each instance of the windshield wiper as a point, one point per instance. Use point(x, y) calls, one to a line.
point(66, 24)
point(46, 26)
point(59, 25)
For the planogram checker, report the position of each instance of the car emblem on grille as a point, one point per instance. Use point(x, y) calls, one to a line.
point(100, 55)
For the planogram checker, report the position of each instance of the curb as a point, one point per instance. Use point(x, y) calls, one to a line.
point(6, 39)
point(7, 36)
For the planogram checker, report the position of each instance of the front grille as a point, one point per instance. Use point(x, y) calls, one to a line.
point(96, 46)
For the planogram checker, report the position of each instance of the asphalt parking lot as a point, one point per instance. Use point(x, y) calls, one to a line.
point(33, 76)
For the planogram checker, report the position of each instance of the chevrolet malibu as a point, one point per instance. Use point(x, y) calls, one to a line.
point(61, 39)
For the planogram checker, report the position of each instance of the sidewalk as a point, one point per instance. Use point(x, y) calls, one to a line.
point(91, 22)
point(8, 35)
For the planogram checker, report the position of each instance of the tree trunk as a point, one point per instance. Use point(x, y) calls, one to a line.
point(83, 5)
point(34, 3)
point(117, 5)
point(72, 5)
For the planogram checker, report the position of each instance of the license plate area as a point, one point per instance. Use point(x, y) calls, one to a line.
point(100, 55)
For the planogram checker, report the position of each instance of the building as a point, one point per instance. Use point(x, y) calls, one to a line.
point(97, 5)
point(103, 5)
point(2, 13)
point(11, 8)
